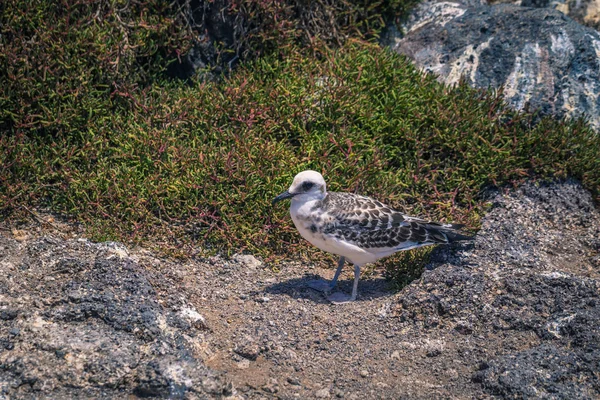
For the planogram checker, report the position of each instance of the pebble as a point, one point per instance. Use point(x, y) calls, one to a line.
point(322, 393)
point(248, 350)
point(293, 381)
point(243, 364)
point(272, 386)
point(263, 299)
point(364, 373)
point(433, 352)
point(248, 260)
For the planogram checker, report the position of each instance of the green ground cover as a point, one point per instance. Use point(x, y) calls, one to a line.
point(91, 128)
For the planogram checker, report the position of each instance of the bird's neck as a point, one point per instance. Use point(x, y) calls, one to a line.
point(303, 207)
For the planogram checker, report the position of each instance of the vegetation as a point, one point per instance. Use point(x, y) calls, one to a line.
point(92, 128)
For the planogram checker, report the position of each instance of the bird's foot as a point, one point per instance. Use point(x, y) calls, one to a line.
point(320, 285)
point(340, 298)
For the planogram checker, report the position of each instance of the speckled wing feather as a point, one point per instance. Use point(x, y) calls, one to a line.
point(368, 223)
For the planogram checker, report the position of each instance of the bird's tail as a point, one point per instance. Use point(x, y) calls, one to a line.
point(454, 236)
point(447, 233)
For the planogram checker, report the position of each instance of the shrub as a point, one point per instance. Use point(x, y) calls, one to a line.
point(202, 162)
point(90, 128)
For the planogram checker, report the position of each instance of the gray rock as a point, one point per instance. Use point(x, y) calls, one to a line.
point(248, 349)
point(586, 12)
point(541, 372)
point(214, 49)
point(248, 261)
point(96, 330)
point(528, 278)
point(544, 60)
point(293, 381)
point(272, 386)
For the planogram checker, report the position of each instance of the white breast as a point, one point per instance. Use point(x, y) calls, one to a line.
point(305, 218)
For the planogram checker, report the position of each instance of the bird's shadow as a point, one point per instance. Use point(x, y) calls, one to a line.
point(297, 288)
point(369, 289)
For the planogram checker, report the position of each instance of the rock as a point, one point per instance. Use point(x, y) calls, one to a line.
point(464, 328)
point(243, 364)
point(272, 386)
point(8, 314)
point(247, 260)
point(190, 314)
point(586, 12)
point(213, 51)
point(433, 352)
point(106, 326)
point(322, 393)
point(293, 381)
point(529, 279)
point(248, 350)
point(263, 299)
point(540, 372)
point(96, 330)
point(544, 60)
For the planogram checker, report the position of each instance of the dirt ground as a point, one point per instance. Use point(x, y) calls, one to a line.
point(516, 314)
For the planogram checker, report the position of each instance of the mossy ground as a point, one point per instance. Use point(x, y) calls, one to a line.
point(140, 158)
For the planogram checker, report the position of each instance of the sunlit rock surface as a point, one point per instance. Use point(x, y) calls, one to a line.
point(545, 61)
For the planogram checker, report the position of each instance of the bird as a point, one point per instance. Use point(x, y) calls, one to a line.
point(358, 229)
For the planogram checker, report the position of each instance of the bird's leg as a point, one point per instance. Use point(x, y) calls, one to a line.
point(338, 271)
point(324, 286)
point(340, 298)
point(355, 286)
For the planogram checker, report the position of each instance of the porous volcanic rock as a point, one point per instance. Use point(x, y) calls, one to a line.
point(544, 60)
point(530, 285)
point(586, 12)
point(82, 319)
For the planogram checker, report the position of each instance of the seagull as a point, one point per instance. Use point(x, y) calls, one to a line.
point(356, 228)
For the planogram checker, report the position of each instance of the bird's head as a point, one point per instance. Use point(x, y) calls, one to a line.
point(307, 185)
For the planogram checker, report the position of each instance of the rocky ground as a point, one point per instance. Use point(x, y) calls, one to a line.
point(516, 314)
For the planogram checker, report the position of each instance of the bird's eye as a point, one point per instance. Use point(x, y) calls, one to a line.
point(306, 186)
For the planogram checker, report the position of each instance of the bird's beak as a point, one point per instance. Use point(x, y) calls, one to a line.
point(282, 196)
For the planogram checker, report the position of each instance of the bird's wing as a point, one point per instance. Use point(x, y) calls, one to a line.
point(368, 223)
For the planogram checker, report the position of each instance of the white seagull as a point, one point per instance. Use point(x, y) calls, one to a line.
point(356, 228)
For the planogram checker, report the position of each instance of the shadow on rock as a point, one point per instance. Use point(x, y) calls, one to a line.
point(297, 288)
